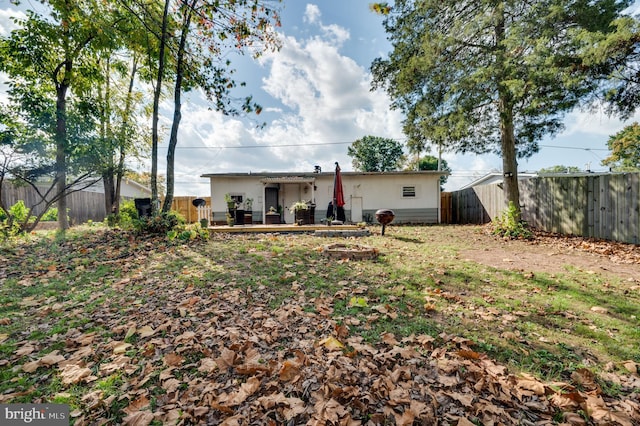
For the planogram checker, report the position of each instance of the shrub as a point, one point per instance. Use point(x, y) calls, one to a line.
point(509, 225)
point(11, 222)
point(126, 218)
point(51, 215)
point(159, 224)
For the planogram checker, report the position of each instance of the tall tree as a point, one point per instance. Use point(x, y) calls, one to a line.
point(430, 162)
point(376, 154)
point(208, 29)
point(490, 75)
point(193, 39)
point(121, 133)
point(57, 52)
point(625, 149)
point(615, 60)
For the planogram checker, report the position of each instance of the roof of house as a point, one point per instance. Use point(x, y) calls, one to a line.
point(293, 175)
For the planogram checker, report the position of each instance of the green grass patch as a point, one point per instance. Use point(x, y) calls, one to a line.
point(102, 288)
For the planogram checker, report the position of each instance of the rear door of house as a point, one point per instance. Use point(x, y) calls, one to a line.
point(270, 198)
point(356, 209)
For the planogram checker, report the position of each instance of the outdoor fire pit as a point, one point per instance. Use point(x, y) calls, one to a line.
point(385, 217)
point(349, 251)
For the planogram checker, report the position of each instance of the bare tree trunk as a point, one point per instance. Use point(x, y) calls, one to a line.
point(156, 106)
point(61, 155)
point(509, 160)
point(505, 108)
point(177, 105)
point(123, 139)
point(109, 190)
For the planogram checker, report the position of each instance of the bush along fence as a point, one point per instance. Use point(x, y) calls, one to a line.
point(604, 206)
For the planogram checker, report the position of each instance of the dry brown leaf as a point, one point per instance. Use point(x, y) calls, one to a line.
point(247, 389)
point(531, 384)
point(51, 358)
point(631, 366)
point(462, 421)
point(289, 370)
point(466, 354)
point(73, 373)
point(137, 405)
point(25, 350)
point(171, 385)
point(465, 399)
point(207, 365)
point(173, 359)
point(130, 332)
point(146, 331)
point(227, 359)
point(331, 343)
point(603, 415)
point(139, 418)
point(120, 347)
point(389, 339)
point(30, 367)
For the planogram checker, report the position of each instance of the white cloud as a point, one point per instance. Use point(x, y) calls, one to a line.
point(6, 23)
point(329, 104)
point(336, 33)
point(312, 14)
point(595, 123)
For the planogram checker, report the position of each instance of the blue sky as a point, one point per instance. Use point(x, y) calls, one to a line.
point(316, 97)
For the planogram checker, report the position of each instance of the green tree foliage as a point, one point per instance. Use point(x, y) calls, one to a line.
point(376, 154)
point(50, 61)
point(615, 60)
point(189, 42)
point(429, 162)
point(625, 149)
point(482, 76)
point(559, 169)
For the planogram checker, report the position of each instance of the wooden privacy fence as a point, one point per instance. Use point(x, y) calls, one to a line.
point(605, 206)
point(83, 205)
point(184, 206)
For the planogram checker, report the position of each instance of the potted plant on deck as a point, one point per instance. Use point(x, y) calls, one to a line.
point(231, 203)
point(248, 210)
point(301, 211)
point(272, 217)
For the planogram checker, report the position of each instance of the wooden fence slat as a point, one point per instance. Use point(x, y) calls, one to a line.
point(605, 206)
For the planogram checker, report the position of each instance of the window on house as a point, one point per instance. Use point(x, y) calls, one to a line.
point(236, 198)
point(408, 191)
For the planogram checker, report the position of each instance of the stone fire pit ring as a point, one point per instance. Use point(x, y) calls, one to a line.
point(350, 251)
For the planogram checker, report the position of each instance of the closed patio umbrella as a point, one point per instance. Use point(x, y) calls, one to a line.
point(338, 194)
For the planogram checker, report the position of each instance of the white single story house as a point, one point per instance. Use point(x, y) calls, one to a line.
point(414, 196)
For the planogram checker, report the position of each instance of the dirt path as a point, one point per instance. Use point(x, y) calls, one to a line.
point(556, 254)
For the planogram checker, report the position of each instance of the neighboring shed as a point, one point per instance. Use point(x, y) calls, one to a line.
point(413, 195)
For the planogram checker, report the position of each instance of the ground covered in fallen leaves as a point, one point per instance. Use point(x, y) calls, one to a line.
point(263, 330)
point(553, 253)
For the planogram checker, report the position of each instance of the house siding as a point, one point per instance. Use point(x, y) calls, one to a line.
point(373, 191)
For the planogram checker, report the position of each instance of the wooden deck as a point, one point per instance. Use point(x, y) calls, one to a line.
point(288, 228)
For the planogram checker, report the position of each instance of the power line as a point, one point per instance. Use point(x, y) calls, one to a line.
point(264, 146)
point(574, 147)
